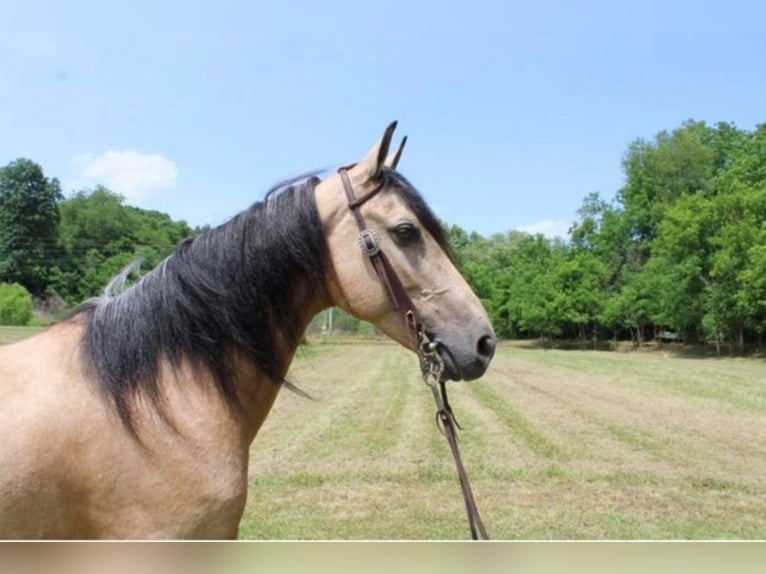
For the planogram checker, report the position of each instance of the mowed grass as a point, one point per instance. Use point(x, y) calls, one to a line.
point(558, 445)
point(13, 334)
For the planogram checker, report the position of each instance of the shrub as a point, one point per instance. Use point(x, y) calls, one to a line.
point(15, 304)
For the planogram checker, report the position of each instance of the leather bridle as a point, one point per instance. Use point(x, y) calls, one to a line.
point(370, 244)
point(431, 364)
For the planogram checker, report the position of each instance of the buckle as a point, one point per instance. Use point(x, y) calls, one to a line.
point(369, 242)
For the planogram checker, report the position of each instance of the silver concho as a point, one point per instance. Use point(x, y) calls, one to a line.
point(369, 242)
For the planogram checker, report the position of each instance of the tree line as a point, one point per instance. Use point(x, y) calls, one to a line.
point(679, 253)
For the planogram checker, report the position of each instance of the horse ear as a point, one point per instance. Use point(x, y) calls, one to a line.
point(369, 168)
point(393, 160)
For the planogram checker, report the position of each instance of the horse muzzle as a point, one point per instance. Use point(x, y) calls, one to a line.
point(465, 358)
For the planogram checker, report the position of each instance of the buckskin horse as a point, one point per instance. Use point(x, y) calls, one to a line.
point(133, 418)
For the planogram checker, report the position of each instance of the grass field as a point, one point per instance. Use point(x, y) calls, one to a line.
point(558, 444)
point(12, 334)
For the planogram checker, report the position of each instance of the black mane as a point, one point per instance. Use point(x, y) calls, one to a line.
point(233, 291)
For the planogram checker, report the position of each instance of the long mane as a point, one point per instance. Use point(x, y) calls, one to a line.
point(235, 290)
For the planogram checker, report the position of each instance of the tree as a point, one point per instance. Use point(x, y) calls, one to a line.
point(99, 236)
point(94, 219)
point(15, 304)
point(680, 265)
point(581, 279)
point(29, 220)
point(658, 173)
point(736, 230)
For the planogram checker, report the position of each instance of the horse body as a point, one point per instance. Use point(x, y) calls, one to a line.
point(69, 469)
point(134, 418)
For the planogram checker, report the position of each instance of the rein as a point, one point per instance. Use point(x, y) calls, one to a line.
point(431, 364)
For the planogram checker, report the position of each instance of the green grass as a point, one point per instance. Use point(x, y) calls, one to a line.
point(558, 444)
point(518, 424)
point(13, 334)
point(721, 379)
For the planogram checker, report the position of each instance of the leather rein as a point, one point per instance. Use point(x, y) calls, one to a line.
point(431, 364)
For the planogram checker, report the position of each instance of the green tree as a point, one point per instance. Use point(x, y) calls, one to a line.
point(681, 265)
point(29, 220)
point(582, 281)
point(533, 300)
point(746, 162)
point(658, 173)
point(95, 219)
point(100, 235)
point(735, 233)
point(15, 304)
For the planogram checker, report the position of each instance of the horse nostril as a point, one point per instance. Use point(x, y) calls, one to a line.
point(486, 347)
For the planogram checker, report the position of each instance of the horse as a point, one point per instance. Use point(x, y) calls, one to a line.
point(133, 417)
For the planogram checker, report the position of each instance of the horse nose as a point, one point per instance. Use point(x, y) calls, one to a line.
point(485, 348)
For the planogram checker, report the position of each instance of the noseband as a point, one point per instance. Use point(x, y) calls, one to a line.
point(431, 364)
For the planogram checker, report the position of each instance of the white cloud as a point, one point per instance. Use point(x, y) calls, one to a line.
point(130, 173)
point(548, 227)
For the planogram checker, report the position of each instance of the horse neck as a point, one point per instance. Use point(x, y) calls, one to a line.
point(269, 270)
point(257, 389)
point(232, 305)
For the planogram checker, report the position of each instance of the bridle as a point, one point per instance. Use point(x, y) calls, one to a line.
point(431, 364)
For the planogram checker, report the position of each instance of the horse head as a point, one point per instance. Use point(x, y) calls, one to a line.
point(378, 209)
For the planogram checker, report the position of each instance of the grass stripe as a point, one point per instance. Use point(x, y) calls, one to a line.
point(519, 425)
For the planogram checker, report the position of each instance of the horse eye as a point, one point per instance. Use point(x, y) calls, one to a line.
point(406, 233)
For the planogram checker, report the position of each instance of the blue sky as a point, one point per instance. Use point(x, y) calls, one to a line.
point(515, 110)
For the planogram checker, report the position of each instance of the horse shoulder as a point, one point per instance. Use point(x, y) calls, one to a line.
point(37, 402)
point(70, 469)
